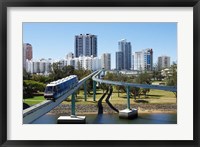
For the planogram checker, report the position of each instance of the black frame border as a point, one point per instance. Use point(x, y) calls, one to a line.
point(98, 3)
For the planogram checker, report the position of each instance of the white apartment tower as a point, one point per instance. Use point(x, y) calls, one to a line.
point(106, 61)
point(143, 60)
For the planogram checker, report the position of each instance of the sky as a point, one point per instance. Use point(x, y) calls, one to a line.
point(54, 40)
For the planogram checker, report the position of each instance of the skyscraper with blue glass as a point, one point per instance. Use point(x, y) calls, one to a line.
point(123, 56)
point(143, 60)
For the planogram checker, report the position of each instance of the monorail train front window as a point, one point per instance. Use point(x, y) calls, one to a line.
point(49, 89)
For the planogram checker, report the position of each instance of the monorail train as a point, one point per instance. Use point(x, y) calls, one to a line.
point(56, 89)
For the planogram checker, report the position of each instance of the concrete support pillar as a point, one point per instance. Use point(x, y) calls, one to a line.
point(94, 90)
point(73, 119)
point(128, 112)
point(73, 101)
point(128, 97)
point(85, 91)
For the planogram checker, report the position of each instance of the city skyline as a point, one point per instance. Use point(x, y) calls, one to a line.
point(56, 40)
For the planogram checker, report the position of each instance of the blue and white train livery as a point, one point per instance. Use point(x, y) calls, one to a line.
point(56, 89)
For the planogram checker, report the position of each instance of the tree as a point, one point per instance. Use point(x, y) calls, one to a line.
point(89, 85)
point(103, 86)
point(110, 76)
point(135, 91)
point(56, 72)
point(27, 90)
point(67, 71)
point(143, 78)
point(30, 87)
point(119, 88)
point(59, 72)
point(156, 73)
point(41, 78)
point(115, 77)
point(26, 75)
point(171, 78)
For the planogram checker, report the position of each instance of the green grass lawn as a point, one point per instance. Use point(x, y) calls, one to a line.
point(34, 100)
point(153, 97)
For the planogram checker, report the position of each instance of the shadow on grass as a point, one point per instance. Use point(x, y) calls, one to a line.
point(143, 97)
point(152, 96)
point(141, 101)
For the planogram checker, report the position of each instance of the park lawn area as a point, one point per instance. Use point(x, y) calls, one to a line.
point(34, 100)
point(160, 97)
point(153, 97)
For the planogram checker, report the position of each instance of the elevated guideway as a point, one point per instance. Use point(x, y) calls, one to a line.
point(36, 111)
point(147, 86)
point(128, 112)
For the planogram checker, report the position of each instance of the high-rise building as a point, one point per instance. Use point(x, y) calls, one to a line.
point(138, 61)
point(85, 45)
point(132, 62)
point(119, 60)
point(143, 60)
point(163, 62)
point(125, 50)
point(106, 61)
point(27, 53)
